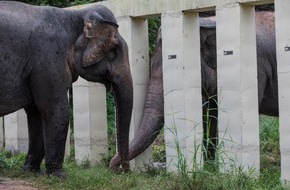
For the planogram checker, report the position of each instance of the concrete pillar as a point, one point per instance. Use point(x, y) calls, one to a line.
point(90, 121)
point(135, 33)
point(282, 16)
point(1, 133)
point(16, 132)
point(237, 86)
point(182, 89)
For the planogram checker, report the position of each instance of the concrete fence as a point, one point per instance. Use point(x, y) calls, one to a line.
point(237, 83)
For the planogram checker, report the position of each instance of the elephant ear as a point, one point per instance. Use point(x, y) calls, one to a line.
point(100, 37)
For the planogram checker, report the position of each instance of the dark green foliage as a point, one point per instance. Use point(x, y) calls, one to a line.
point(111, 113)
point(10, 161)
point(111, 124)
point(153, 26)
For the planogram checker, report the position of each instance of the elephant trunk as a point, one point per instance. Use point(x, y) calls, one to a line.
point(153, 118)
point(123, 95)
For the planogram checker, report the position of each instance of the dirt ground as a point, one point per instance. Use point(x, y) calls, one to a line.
point(8, 184)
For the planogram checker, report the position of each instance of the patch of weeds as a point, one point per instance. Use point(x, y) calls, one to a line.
point(269, 142)
point(159, 152)
point(9, 160)
point(213, 176)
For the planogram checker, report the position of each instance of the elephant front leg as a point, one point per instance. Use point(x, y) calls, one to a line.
point(36, 146)
point(55, 128)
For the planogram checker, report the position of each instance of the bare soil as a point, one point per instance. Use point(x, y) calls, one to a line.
point(9, 184)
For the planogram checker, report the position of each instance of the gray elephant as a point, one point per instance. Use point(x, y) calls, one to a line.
point(43, 50)
point(152, 121)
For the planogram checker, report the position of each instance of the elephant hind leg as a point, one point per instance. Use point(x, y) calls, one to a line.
point(36, 145)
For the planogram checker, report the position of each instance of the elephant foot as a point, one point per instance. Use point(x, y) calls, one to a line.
point(32, 165)
point(31, 168)
point(54, 168)
point(126, 166)
point(115, 164)
point(59, 174)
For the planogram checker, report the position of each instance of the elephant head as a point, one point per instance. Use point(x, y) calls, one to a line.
point(101, 55)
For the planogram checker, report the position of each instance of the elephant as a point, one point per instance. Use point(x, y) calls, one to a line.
point(43, 50)
point(153, 119)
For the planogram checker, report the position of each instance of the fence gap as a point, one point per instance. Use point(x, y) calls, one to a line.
point(209, 86)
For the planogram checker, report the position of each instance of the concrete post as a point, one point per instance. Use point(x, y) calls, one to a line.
point(282, 16)
point(135, 33)
point(90, 121)
point(1, 133)
point(237, 86)
point(182, 89)
point(16, 132)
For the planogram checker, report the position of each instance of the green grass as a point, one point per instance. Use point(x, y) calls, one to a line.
point(269, 148)
point(84, 177)
point(100, 177)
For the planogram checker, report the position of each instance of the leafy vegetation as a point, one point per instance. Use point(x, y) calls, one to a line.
point(111, 125)
point(153, 26)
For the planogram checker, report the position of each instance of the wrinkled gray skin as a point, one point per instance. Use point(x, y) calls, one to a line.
point(42, 51)
point(152, 121)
